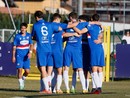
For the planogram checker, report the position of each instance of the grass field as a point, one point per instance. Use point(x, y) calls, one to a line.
point(9, 89)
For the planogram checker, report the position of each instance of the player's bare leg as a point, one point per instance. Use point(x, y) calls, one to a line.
point(44, 75)
point(25, 74)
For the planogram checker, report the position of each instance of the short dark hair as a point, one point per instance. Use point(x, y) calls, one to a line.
point(38, 14)
point(23, 24)
point(84, 17)
point(73, 15)
point(55, 16)
point(95, 17)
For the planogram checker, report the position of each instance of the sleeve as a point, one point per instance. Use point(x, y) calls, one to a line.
point(55, 27)
point(33, 34)
point(64, 26)
point(89, 27)
point(85, 24)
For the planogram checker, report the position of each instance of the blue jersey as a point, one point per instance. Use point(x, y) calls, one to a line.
point(57, 39)
point(22, 44)
point(42, 31)
point(94, 31)
point(73, 40)
point(97, 52)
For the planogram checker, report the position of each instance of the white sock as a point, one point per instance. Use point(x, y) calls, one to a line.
point(87, 84)
point(24, 77)
point(74, 79)
point(100, 74)
point(96, 79)
point(53, 74)
point(21, 82)
point(49, 82)
point(42, 87)
point(82, 79)
point(66, 79)
point(45, 81)
point(59, 81)
point(93, 82)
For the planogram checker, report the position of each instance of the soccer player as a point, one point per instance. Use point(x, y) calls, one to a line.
point(22, 51)
point(85, 51)
point(97, 53)
point(73, 53)
point(57, 50)
point(42, 33)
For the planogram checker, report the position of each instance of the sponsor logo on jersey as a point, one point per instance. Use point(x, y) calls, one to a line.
point(24, 42)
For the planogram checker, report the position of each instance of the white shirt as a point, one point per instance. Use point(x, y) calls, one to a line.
point(127, 38)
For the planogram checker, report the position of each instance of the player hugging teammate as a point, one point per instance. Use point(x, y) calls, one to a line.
point(83, 50)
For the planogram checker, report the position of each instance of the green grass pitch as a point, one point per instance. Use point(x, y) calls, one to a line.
point(9, 89)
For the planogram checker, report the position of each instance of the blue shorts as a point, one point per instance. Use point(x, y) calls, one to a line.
point(97, 57)
point(57, 59)
point(22, 62)
point(74, 56)
point(86, 57)
point(44, 58)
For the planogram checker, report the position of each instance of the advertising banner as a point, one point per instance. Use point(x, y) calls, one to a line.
point(6, 65)
point(122, 61)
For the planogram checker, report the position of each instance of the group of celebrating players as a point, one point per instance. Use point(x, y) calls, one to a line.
point(83, 49)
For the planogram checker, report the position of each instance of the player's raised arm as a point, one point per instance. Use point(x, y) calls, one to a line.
point(97, 23)
point(33, 34)
point(84, 30)
point(71, 25)
point(66, 34)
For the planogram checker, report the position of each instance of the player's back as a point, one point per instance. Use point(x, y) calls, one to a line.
point(57, 40)
point(43, 32)
point(73, 41)
point(94, 31)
